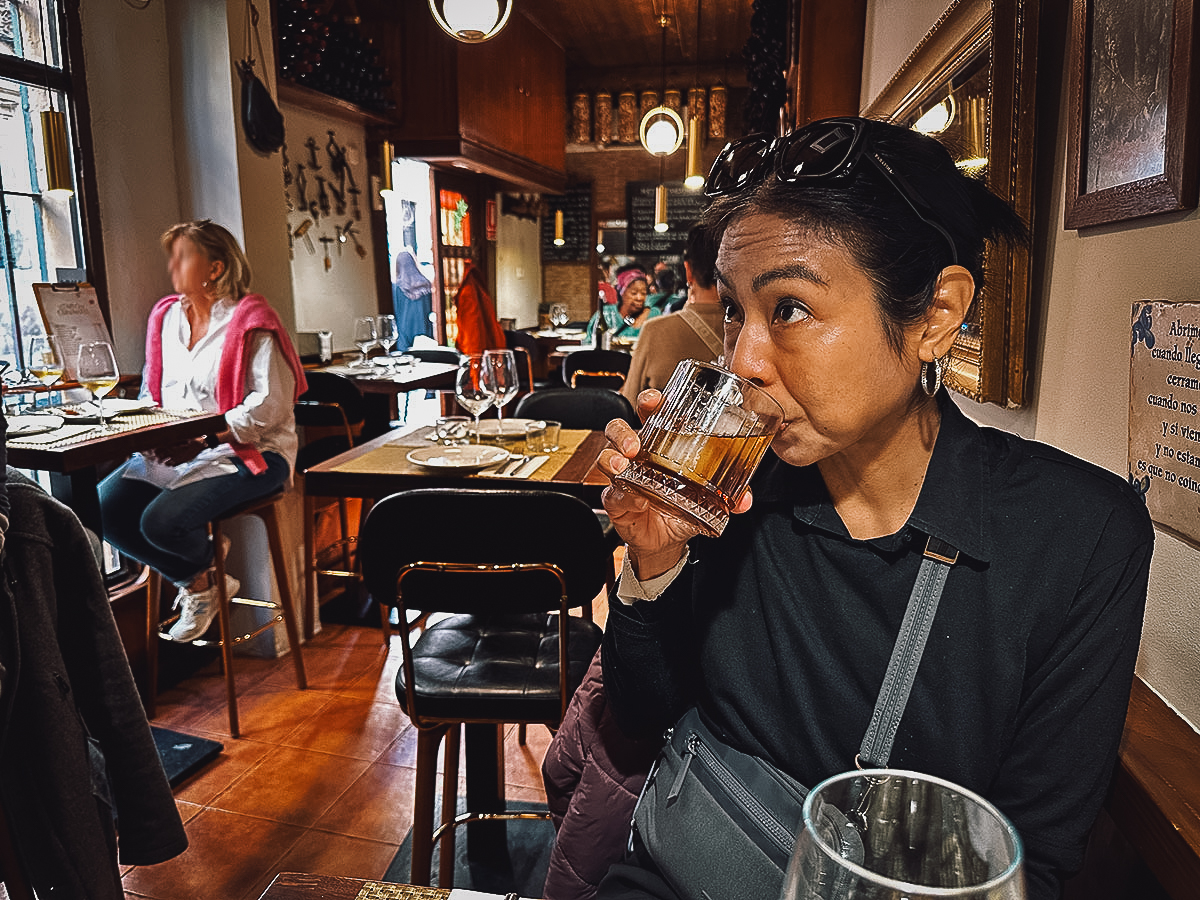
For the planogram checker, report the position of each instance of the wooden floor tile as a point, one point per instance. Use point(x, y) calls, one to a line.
point(268, 715)
point(291, 785)
point(377, 806)
point(348, 727)
point(237, 758)
point(228, 853)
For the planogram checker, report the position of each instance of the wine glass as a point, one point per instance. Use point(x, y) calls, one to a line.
point(365, 337)
point(388, 335)
point(97, 371)
point(46, 363)
point(887, 834)
point(500, 371)
point(472, 389)
point(559, 316)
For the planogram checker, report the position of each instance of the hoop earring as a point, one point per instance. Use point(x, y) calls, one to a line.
point(937, 367)
point(204, 284)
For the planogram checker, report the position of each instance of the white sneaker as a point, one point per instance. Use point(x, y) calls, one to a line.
point(198, 610)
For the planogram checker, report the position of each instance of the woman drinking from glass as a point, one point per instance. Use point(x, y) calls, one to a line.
point(850, 256)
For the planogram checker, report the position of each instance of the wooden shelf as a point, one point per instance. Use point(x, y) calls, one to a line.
point(326, 105)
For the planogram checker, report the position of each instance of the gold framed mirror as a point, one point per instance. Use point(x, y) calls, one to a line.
point(970, 83)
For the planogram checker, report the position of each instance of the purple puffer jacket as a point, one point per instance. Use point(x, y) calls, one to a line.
point(593, 775)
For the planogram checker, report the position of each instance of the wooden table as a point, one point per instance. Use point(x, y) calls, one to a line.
point(294, 886)
point(382, 392)
point(378, 468)
point(72, 461)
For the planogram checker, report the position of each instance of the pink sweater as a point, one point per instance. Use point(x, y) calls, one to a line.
point(251, 314)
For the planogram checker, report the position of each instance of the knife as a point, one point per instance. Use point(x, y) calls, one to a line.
point(530, 462)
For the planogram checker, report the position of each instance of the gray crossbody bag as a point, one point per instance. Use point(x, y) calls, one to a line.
point(721, 824)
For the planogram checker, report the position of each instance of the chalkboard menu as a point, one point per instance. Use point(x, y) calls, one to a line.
point(684, 207)
point(576, 207)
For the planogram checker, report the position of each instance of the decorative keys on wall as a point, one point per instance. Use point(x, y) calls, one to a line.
point(336, 195)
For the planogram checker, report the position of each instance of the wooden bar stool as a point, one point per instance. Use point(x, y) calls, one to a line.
point(267, 509)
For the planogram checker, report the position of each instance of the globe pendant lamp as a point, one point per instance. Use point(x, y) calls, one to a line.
point(471, 21)
point(661, 130)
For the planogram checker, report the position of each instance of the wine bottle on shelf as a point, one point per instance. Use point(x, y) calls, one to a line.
point(601, 335)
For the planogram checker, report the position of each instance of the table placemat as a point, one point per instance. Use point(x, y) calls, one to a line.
point(389, 458)
point(70, 434)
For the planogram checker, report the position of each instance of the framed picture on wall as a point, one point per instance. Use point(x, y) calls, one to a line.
point(1133, 110)
point(970, 83)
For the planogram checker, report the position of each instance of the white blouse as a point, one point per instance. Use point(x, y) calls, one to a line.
point(264, 418)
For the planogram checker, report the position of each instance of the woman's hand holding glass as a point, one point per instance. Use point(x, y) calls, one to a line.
point(97, 372)
point(656, 541)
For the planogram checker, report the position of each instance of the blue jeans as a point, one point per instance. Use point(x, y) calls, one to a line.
point(168, 530)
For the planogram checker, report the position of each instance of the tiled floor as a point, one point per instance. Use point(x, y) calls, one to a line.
point(320, 781)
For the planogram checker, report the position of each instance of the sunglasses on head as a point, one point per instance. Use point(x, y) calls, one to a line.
point(822, 152)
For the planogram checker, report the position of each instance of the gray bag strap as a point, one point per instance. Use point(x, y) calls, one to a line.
point(906, 655)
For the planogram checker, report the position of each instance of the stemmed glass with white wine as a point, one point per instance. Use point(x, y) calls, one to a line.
point(887, 834)
point(365, 337)
point(97, 372)
point(46, 363)
point(500, 368)
point(472, 389)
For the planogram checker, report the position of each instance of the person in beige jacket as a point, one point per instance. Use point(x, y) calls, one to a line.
point(695, 332)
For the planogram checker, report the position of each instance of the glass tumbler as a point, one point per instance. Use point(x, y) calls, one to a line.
point(701, 446)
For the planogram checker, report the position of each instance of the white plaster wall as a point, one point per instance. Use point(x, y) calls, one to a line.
point(127, 61)
point(1080, 347)
point(329, 300)
point(518, 269)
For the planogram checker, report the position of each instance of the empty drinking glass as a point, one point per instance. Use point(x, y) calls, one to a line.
point(472, 389)
point(559, 316)
point(388, 335)
point(365, 337)
point(885, 834)
point(500, 368)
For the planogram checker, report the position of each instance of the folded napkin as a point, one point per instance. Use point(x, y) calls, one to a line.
point(50, 437)
point(524, 469)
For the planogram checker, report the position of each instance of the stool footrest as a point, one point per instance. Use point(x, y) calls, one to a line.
point(468, 817)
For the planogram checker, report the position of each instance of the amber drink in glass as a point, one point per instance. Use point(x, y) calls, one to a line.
point(701, 446)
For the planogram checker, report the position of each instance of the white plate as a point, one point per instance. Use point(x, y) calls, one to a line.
point(502, 429)
point(23, 426)
point(471, 457)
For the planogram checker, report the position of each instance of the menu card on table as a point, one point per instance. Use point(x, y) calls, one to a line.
point(71, 312)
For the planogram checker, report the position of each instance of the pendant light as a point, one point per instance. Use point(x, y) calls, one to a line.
point(385, 169)
point(660, 208)
point(559, 239)
point(694, 177)
point(58, 153)
point(661, 131)
point(471, 21)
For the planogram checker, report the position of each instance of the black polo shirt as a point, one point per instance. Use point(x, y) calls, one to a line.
point(781, 631)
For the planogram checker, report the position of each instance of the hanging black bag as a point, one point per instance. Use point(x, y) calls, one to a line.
point(261, 119)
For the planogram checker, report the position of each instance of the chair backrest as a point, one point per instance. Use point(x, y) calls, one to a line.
point(525, 349)
point(489, 529)
point(331, 401)
point(596, 368)
point(436, 354)
point(591, 408)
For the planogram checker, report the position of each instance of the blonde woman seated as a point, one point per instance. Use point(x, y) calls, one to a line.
point(210, 346)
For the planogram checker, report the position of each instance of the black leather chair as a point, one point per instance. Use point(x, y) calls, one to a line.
point(508, 565)
point(591, 408)
point(332, 412)
point(523, 344)
point(435, 354)
point(596, 368)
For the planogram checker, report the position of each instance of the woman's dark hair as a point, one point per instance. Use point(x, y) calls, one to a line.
point(665, 280)
point(867, 214)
